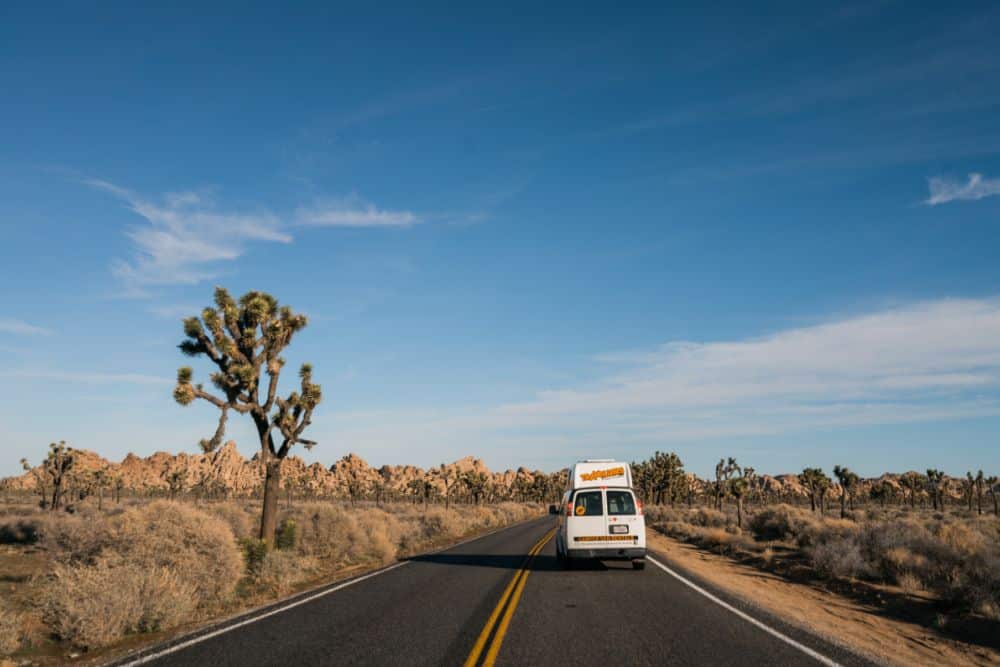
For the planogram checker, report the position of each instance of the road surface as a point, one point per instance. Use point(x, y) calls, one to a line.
point(490, 601)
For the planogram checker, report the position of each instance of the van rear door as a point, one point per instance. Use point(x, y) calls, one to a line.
point(588, 524)
point(624, 523)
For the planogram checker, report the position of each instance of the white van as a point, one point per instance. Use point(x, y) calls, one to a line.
point(601, 517)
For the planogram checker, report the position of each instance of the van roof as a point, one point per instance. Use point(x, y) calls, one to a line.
point(596, 473)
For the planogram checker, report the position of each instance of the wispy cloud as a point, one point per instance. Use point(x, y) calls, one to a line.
point(353, 212)
point(943, 190)
point(87, 378)
point(929, 361)
point(22, 328)
point(185, 237)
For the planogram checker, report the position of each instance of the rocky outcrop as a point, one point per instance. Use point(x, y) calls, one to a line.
point(226, 472)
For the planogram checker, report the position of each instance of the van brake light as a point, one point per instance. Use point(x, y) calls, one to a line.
point(638, 503)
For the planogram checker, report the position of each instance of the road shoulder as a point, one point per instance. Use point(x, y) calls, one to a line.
point(852, 631)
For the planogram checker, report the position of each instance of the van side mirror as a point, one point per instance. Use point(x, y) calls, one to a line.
point(553, 509)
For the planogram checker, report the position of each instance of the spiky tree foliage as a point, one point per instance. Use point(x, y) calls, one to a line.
point(935, 488)
point(244, 340)
point(724, 470)
point(475, 482)
point(913, 483)
point(753, 483)
point(56, 468)
point(881, 491)
point(666, 477)
point(848, 481)
point(449, 477)
point(817, 484)
point(176, 481)
point(355, 486)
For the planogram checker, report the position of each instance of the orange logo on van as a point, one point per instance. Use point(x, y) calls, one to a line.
point(580, 509)
point(603, 474)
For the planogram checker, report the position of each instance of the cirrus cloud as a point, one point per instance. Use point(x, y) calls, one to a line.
point(944, 190)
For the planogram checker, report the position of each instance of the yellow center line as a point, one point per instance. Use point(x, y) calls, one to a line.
point(517, 581)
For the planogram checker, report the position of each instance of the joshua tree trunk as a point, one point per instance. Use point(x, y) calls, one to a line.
point(739, 511)
point(272, 490)
point(843, 504)
point(812, 502)
point(57, 495)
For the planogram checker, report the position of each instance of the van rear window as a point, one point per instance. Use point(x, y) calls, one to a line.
point(620, 503)
point(588, 503)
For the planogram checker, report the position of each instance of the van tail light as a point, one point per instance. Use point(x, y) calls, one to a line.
point(638, 503)
point(569, 509)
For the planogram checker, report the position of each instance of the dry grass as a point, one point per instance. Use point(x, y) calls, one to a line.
point(146, 567)
point(12, 630)
point(953, 556)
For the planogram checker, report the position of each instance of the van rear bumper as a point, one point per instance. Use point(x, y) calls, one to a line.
point(609, 553)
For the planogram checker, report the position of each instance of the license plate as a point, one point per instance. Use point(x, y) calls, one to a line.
point(619, 529)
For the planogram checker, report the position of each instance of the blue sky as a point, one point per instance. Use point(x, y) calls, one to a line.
point(521, 233)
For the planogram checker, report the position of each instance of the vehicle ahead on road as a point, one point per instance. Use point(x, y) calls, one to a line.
point(600, 515)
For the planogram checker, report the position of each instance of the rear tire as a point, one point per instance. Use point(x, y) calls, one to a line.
point(639, 565)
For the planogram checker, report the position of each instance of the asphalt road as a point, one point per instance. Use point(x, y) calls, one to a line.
point(433, 610)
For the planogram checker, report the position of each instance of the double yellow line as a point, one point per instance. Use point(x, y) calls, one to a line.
point(511, 594)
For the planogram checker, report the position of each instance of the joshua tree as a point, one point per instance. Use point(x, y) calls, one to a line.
point(848, 481)
point(475, 482)
point(355, 485)
point(935, 481)
point(244, 340)
point(991, 484)
point(724, 470)
point(980, 483)
point(449, 477)
point(39, 482)
point(912, 482)
point(739, 487)
point(176, 479)
point(117, 484)
point(56, 467)
point(817, 483)
point(881, 491)
point(100, 482)
point(969, 489)
point(661, 478)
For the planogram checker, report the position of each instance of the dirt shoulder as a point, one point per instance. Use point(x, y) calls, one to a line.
point(838, 619)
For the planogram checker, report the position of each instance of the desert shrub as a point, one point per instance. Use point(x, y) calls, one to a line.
point(241, 522)
point(198, 547)
point(839, 557)
point(24, 530)
point(12, 633)
point(781, 522)
point(709, 518)
point(279, 571)
point(95, 605)
point(254, 553)
point(286, 535)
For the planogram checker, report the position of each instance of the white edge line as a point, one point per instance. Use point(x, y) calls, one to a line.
point(254, 619)
point(247, 621)
point(747, 617)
